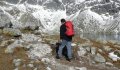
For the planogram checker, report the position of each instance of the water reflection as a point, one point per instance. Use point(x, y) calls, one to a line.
point(101, 36)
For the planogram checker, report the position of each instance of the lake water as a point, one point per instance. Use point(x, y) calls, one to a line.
point(101, 36)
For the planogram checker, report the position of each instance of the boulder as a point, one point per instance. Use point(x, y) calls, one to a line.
point(4, 20)
point(37, 51)
point(82, 51)
point(99, 58)
point(29, 38)
point(107, 48)
point(93, 50)
point(29, 21)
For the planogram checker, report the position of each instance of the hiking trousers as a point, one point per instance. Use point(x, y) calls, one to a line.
point(69, 48)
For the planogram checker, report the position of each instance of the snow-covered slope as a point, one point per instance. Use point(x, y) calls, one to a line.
point(88, 15)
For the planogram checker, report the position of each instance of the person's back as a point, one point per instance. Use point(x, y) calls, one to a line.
point(66, 41)
point(63, 34)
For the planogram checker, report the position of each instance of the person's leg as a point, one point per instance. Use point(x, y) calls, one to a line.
point(63, 43)
point(69, 49)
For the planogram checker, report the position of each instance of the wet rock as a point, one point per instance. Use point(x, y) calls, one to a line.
point(99, 58)
point(39, 50)
point(29, 38)
point(12, 32)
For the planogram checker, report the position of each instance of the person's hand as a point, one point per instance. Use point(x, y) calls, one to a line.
point(60, 40)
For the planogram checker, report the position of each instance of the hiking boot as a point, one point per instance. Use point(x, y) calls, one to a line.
point(57, 57)
point(68, 59)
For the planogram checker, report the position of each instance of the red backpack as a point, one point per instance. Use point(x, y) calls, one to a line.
point(69, 28)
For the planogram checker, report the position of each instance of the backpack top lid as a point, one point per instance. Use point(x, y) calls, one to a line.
point(69, 22)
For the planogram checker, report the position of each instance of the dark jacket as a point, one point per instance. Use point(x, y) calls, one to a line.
point(62, 33)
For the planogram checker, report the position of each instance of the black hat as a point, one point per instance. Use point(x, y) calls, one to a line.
point(63, 20)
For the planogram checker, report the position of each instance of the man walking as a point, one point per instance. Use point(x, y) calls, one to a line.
point(66, 34)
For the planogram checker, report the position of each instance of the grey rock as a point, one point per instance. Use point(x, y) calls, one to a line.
point(80, 68)
point(10, 48)
point(29, 38)
point(17, 62)
point(117, 46)
point(46, 60)
point(4, 20)
point(107, 48)
point(118, 42)
point(12, 32)
point(39, 50)
point(35, 68)
point(30, 65)
point(88, 48)
point(99, 58)
point(55, 4)
point(109, 63)
point(112, 41)
point(53, 42)
point(37, 32)
point(93, 50)
point(61, 67)
point(100, 50)
point(102, 41)
point(16, 69)
point(73, 44)
point(48, 68)
point(12, 1)
point(4, 43)
point(82, 51)
point(29, 21)
point(1, 31)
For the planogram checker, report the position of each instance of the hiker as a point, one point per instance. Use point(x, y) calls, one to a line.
point(66, 34)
